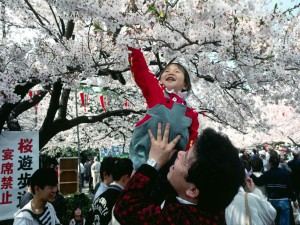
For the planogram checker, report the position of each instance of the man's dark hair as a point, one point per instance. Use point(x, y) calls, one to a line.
point(296, 154)
point(42, 177)
point(123, 166)
point(28, 181)
point(246, 164)
point(254, 150)
point(257, 164)
point(217, 172)
point(274, 159)
point(106, 166)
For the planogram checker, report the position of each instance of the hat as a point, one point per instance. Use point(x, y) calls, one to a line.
point(95, 158)
point(262, 152)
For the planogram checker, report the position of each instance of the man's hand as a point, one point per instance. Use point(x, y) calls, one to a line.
point(161, 150)
point(249, 185)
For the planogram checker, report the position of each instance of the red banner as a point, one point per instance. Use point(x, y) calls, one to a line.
point(84, 97)
point(102, 102)
point(126, 104)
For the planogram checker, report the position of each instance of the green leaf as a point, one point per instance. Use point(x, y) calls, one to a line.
point(275, 8)
point(152, 8)
point(97, 27)
point(236, 20)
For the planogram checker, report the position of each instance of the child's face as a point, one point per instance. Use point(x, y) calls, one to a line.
point(77, 212)
point(173, 78)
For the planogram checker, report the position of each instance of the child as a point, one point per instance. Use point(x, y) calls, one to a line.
point(166, 104)
point(78, 219)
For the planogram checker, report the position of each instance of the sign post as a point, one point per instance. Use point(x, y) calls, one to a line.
point(19, 160)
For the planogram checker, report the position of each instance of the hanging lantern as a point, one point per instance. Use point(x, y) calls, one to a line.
point(126, 104)
point(102, 102)
point(36, 106)
point(30, 94)
point(84, 99)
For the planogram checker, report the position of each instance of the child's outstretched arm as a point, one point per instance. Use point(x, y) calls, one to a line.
point(137, 61)
point(145, 79)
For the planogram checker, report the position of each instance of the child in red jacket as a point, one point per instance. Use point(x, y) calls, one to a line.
point(166, 103)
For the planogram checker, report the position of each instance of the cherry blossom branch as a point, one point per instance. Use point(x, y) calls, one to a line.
point(57, 24)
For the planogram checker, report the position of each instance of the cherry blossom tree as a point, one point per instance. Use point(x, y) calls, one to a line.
point(236, 52)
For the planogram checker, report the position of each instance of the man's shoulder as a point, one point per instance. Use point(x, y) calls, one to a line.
point(111, 190)
point(49, 205)
point(24, 213)
point(114, 187)
point(278, 172)
point(109, 195)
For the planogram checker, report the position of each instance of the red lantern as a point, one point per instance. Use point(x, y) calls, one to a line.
point(30, 94)
point(84, 99)
point(126, 104)
point(102, 102)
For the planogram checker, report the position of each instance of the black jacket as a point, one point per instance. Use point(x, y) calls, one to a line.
point(278, 183)
point(101, 211)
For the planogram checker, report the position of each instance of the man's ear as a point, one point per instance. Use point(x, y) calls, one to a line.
point(105, 174)
point(36, 189)
point(192, 192)
point(125, 178)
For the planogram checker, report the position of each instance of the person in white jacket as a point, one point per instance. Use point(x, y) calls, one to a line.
point(39, 210)
point(95, 169)
point(250, 208)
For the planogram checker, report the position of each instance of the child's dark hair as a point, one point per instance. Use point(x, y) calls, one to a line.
point(42, 177)
point(187, 79)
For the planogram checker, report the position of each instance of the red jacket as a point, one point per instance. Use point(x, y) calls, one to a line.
point(154, 93)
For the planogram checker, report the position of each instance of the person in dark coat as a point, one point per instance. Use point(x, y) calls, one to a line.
point(294, 164)
point(27, 196)
point(102, 206)
point(279, 188)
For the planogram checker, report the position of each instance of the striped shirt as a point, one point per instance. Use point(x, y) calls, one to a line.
point(45, 217)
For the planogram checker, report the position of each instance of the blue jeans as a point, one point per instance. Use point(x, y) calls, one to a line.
point(283, 211)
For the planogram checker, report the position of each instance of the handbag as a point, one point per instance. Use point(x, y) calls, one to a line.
point(297, 217)
point(247, 210)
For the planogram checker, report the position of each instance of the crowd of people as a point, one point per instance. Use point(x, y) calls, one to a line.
point(174, 175)
point(209, 184)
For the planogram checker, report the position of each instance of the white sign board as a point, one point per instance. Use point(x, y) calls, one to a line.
point(19, 157)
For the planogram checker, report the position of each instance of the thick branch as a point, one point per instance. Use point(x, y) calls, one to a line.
point(25, 105)
point(70, 29)
point(53, 105)
point(34, 12)
point(49, 131)
point(62, 113)
point(6, 108)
